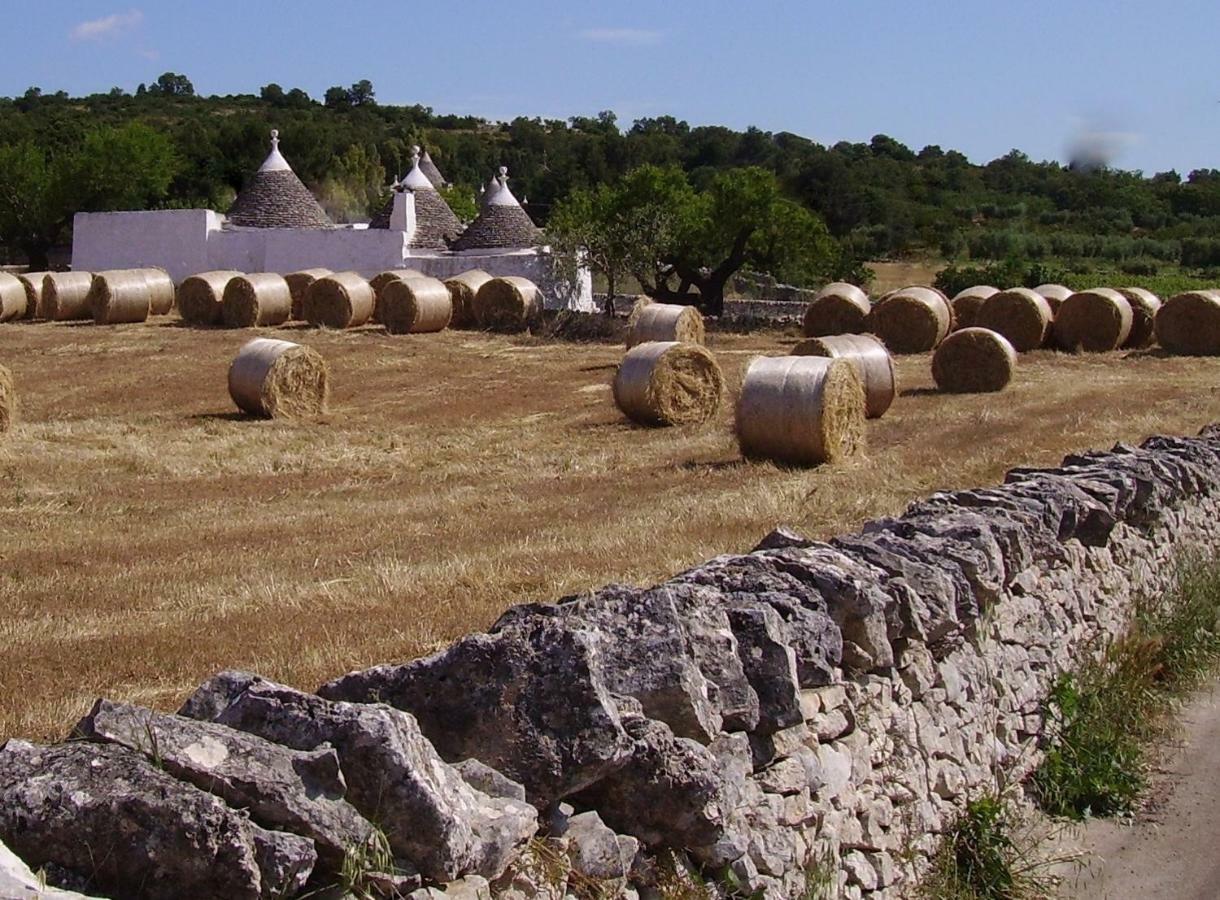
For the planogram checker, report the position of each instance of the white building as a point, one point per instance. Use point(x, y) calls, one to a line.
point(276, 225)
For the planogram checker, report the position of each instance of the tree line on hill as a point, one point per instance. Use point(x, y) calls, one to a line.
point(164, 146)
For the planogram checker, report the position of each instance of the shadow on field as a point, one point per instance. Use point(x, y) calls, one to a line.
point(920, 392)
point(224, 417)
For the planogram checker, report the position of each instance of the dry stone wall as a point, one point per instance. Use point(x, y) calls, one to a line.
point(804, 705)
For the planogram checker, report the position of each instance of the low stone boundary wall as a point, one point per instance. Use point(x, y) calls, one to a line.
point(804, 705)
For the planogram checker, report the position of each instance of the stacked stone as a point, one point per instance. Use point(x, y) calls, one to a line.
point(801, 705)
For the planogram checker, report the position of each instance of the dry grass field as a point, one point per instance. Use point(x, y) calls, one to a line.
point(149, 535)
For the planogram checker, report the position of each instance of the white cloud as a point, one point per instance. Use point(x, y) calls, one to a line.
point(106, 27)
point(636, 37)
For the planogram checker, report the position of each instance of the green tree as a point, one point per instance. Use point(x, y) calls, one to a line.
point(171, 84)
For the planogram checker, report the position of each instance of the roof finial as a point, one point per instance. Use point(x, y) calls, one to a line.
point(415, 154)
point(275, 139)
point(503, 179)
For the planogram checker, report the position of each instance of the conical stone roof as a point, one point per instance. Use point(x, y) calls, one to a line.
point(502, 223)
point(431, 172)
point(435, 223)
point(276, 198)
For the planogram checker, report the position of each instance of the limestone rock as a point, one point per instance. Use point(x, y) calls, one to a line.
point(17, 882)
point(483, 777)
point(108, 815)
point(595, 850)
point(429, 814)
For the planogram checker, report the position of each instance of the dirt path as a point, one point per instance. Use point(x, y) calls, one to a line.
point(1169, 853)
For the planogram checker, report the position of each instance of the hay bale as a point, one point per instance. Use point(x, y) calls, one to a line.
point(119, 297)
point(974, 361)
point(201, 297)
point(507, 304)
point(298, 284)
point(664, 322)
point(462, 289)
point(12, 298)
point(1144, 306)
point(340, 300)
point(966, 303)
point(912, 320)
point(8, 401)
point(161, 291)
point(415, 305)
point(381, 279)
point(838, 308)
point(1021, 315)
point(1189, 323)
point(669, 383)
point(65, 296)
point(873, 364)
point(1095, 321)
point(804, 410)
point(261, 298)
point(1055, 294)
point(33, 282)
point(279, 379)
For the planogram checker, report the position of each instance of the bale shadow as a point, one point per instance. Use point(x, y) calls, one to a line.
point(606, 368)
point(234, 416)
point(920, 392)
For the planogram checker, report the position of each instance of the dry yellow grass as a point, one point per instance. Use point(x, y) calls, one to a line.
point(151, 535)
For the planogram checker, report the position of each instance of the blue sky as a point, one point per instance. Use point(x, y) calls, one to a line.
point(1139, 79)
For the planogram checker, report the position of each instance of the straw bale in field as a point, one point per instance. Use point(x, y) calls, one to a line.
point(33, 282)
point(12, 297)
point(279, 379)
point(1021, 315)
point(261, 298)
point(1189, 324)
point(669, 383)
point(65, 296)
point(8, 401)
point(664, 322)
point(803, 410)
point(1055, 294)
point(873, 364)
point(974, 361)
point(341, 300)
point(298, 284)
point(838, 308)
point(161, 291)
point(201, 297)
point(1144, 306)
point(507, 304)
point(912, 320)
point(462, 289)
point(415, 305)
point(119, 297)
point(1095, 321)
point(966, 304)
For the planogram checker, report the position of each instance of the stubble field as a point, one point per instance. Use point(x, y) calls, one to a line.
point(149, 535)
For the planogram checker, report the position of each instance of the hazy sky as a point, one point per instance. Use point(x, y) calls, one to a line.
point(1139, 79)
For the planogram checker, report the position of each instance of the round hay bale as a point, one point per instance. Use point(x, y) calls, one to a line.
point(1021, 315)
point(261, 298)
point(33, 282)
point(341, 300)
point(279, 380)
point(65, 296)
point(1055, 294)
point(298, 284)
point(669, 383)
point(381, 279)
point(912, 320)
point(8, 401)
point(415, 305)
point(1189, 324)
point(462, 289)
point(120, 297)
point(507, 304)
point(12, 297)
point(201, 297)
point(1144, 306)
point(966, 304)
point(1095, 321)
point(873, 364)
point(161, 291)
point(974, 361)
point(838, 308)
point(803, 410)
point(664, 322)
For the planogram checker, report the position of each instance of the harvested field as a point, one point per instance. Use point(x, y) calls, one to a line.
point(152, 534)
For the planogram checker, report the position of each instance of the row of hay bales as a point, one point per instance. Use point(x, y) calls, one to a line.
point(111, 297)
point(405, 301)
point(917, 319)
